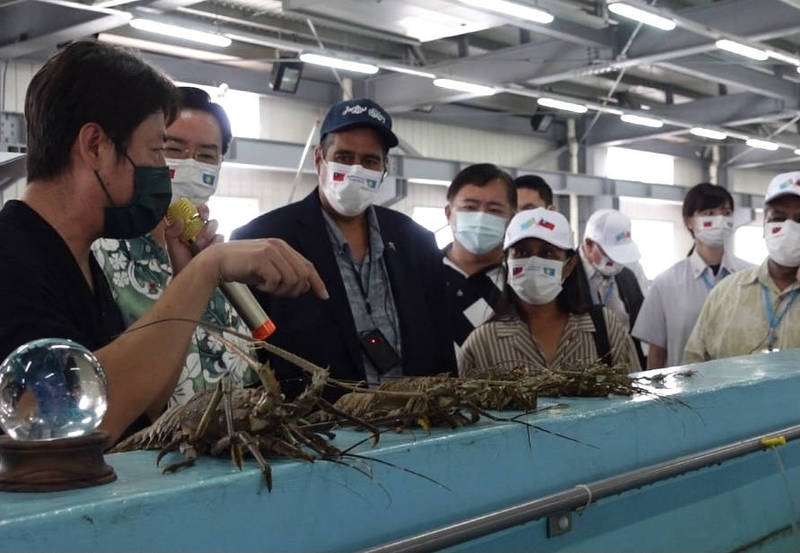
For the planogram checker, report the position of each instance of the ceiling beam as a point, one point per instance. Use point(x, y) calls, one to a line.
point(718, 111)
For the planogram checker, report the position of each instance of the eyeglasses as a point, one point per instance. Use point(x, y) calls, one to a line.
point(178, 149)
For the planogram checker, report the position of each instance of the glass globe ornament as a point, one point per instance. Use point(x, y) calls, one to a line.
point(50, 389)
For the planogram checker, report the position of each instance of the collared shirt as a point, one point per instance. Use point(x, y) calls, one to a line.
point(374, 283)
point(506, 346)
point(734, 318)
point(139, 271)
point(674, 301)
point(471, 299)
point(605, 291)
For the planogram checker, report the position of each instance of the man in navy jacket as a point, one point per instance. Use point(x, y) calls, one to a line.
point(386, 315)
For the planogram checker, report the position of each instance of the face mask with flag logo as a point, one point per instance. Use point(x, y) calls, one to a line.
point(783, 242)
point(192, 179)
point(534, 279)
point(713, 230)
point(350, 189)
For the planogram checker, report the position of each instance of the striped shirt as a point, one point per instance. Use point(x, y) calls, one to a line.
point(506, 346)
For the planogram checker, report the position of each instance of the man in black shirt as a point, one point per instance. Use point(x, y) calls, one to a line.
point(96, 118)
point(480, 201)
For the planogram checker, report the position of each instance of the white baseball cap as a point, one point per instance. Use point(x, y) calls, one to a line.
point(541, 223)
point(612, 231)
point(785, 183)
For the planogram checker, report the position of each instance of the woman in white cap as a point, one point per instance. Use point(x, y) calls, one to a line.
point(674, 301)
point(545, 323)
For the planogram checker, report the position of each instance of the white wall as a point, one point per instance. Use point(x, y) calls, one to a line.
point(18, 75)
point(750, 181)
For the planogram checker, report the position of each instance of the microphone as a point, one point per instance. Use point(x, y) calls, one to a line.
point(238, 294)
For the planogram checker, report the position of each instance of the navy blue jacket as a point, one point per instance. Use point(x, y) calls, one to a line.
point(323, 331)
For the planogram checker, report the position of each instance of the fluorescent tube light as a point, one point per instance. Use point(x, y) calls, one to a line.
point(741, 49)
point(175, 31)
point(512, 8)
point(762, 144)
point(642, 16)
point(463, 86)
point(780, 56)
point(641, 121)
point(708, 133)
point(433, 182)
point(408, 71)
point(797, 152)
point(161, 48)
point(560, 104)
point(336, 63)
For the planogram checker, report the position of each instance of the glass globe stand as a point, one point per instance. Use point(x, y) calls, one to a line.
point(63, 464)
point(52, 399)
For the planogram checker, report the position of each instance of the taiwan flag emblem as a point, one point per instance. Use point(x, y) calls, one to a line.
point(171, 173)
point(708, 224)
point(517, 271)
point(546, 224)
point(339, 176)
point(776, 230)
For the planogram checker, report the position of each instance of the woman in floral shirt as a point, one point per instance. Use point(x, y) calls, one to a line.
point(139, 269)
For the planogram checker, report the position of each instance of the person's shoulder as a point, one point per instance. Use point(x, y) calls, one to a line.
point(273, 223)
point(744, 276)
point(737, 264)
point(675, 273)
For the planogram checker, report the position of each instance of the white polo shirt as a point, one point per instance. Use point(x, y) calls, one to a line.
point(674, 301)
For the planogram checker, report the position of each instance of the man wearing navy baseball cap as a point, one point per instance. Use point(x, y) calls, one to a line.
point(386, 315)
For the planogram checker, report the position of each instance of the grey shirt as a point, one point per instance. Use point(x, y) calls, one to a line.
point(374, 285)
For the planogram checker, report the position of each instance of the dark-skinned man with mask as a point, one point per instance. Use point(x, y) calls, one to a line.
point(96, 118)
point(386, 316)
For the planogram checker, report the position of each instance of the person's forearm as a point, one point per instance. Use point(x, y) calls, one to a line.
point(142, 365)
point(656, 357)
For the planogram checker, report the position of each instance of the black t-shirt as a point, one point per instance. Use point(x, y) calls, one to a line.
point(471, 300)
point(43, 293)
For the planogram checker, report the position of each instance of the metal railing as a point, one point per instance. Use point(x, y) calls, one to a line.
point(579, 496)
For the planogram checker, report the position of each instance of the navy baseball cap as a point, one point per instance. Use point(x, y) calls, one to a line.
point(361, 112)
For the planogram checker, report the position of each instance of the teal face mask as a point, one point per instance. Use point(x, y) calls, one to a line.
point(152, 192)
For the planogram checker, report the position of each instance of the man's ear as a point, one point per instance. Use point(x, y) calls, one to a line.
point(318, 157)
point(92, 145)
point(447, 212)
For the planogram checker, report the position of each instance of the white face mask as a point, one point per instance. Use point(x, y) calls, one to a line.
point(783, 242)
point(350, 189)
point(478, 231)
point(607, 267)
point(713, 230)
point(192, 179)
point(534, 279)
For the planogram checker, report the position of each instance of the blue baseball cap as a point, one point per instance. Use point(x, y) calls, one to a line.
point(360, 112)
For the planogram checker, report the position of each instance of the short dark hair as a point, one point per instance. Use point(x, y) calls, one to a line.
point(479, 175)
point(190, 97)
point(535, 182)
point(89, 82)
point(705, 196)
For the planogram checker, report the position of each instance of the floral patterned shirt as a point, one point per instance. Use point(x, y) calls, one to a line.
point(138, 271)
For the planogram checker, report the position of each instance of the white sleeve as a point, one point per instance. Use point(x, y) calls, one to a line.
point(651, 323)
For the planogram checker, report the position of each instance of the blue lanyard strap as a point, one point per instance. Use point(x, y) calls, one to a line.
point(710, 283)
point(607, 295)
point(774, 319)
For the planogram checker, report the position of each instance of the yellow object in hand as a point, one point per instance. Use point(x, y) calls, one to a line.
point(184, 210)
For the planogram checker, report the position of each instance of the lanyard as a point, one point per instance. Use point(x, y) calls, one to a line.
point(709, 283)
point(607, 296)
point(774, 319)
point(364, 290)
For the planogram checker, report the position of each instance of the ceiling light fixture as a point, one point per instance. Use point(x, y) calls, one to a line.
point(642, 16)
point(336, 63)
point(642, 121)
point(797, 152)
point(512, 8)
point(741, 49)
point(786, 58)
point(562, 105)
point(408, 71)
point(708, 133)
point(463, 86)
point(176, 31)
point(762, 144)
point(162, 48)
